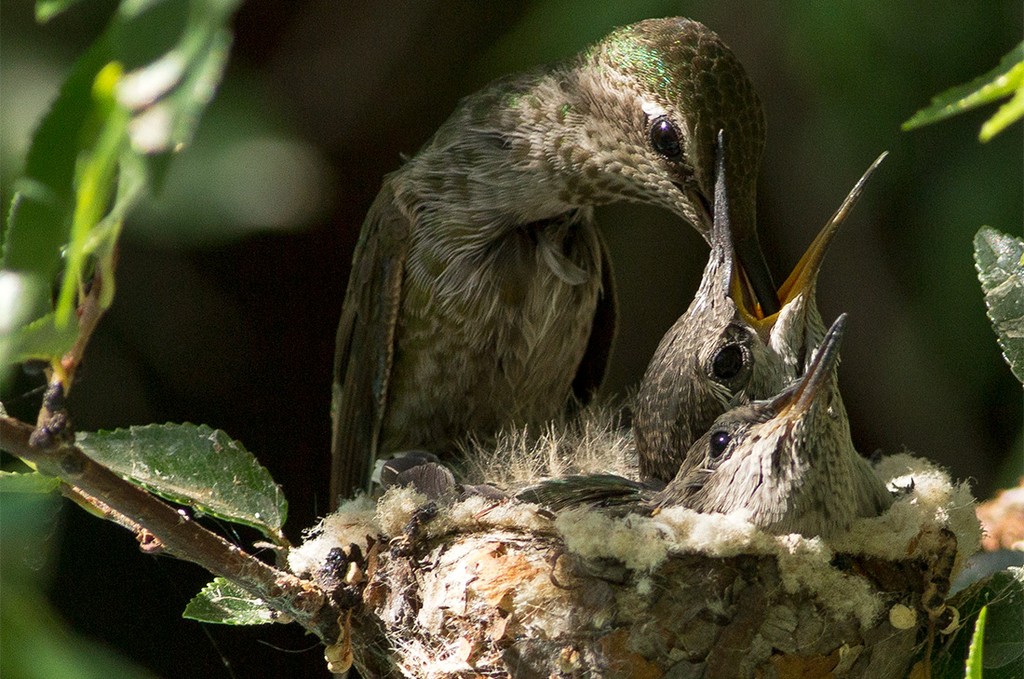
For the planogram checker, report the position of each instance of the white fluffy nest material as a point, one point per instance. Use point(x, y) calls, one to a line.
point(909, 529)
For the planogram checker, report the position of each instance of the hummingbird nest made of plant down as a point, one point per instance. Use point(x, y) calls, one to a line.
point(468, 586)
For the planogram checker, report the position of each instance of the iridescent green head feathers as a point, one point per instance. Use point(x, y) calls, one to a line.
point(685, 70)
point(676, 85)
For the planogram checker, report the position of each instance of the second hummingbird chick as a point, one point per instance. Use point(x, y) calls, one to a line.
point(723, 347)
point(787, 462)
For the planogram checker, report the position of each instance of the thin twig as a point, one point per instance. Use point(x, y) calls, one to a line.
point(52, 420)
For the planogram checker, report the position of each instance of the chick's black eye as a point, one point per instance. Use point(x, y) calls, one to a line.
point(727, 363)
point(665, 138)
point(719, 442)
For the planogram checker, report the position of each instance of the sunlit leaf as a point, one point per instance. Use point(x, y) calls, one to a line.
point(95, 174)
point(1005, 79)
point(196, 466)
point(39, 340)
point(998, 258)
point(47, 9)
point(975, 655)
point(224, 603)
point(27, 482)
point(23, 334)
point(1005, 115)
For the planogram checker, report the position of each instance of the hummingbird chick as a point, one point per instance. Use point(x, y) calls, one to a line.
point(481, 295)
point(787, 462)
point(724, 349)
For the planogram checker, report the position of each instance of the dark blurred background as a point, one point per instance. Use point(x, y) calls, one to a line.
point(231, 281)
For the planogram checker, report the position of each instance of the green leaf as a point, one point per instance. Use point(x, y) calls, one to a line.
point(41, 339)
point(131, 102)
point(975, 654)
point(225, 603)
point(998, 258)
point(95, 174)
point(1003, 595)
point(1005, 79)
point(27, 482)
point(196, 466)
point(40, 216)
point(1005, 116)
point(1004, 635)
point(24, 335)
point(47, 9)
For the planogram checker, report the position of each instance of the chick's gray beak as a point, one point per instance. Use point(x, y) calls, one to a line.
point(796, 401)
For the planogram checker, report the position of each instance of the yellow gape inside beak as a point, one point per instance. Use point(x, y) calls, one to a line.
point(803, 278)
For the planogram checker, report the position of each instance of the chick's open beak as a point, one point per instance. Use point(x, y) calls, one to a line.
point(804, 275)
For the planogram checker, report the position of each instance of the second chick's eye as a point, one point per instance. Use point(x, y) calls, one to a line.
point(728, 362)
point(720, 440)
point(665, 138)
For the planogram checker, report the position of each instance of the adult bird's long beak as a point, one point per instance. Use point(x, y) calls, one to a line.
point(804, 276)
point(795, 402)
point(744, 245)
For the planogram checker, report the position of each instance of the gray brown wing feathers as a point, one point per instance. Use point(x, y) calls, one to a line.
point(365, 344)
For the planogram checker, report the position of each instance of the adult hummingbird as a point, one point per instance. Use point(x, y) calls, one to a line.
point(724, 348)
point(481, 294)
point(787, 462)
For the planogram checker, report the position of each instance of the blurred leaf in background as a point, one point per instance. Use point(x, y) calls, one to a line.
point(1005, 80)
point(246, 173)
point(131, 101)
point(36, 643)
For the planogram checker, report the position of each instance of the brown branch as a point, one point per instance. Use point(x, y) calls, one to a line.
point(301, 600)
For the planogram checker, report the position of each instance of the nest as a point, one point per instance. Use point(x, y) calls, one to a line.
point(470, 587)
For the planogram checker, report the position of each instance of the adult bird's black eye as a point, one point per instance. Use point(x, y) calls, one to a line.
point(665, 138)
point(719, 442)
point(727, 363)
